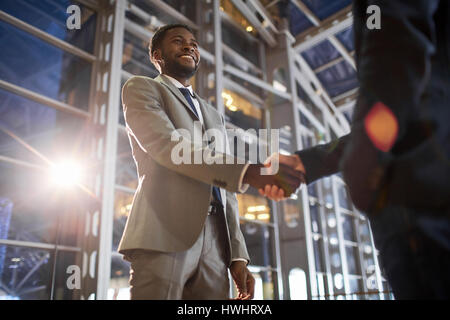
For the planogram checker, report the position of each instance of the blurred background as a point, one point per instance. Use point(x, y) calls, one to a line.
point(67, 176)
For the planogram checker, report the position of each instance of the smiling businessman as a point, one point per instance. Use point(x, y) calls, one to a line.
point(183, 231)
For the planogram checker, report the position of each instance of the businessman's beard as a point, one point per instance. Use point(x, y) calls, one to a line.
point(181, 70)
point(174, 67)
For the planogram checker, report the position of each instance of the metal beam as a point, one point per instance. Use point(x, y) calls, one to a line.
point(332, 38)
point(111, 135)
point(305, 84)
point(233, 86)
point(256, 4)
point(228, 20)
point(46, 37)
point(38, 245)
point(342, 50)
point(345, 97)
point(218, 51)
point(151, 20)
point(169, 10)
point(240, 60)
point(328, 27)
point(39, 98)
point(251, 17)
point(331, 63)
point(343, 123)
point(256, 81)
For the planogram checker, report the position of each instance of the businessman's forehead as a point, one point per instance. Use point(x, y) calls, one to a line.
point(181, 33)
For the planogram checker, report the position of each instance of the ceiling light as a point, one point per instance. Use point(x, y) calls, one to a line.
point(256, 208)
point(249, 216)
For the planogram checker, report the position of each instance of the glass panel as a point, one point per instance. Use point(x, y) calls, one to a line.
point(120, 268)
point(238, 42)
point(318, 254)
point(252, 207)
point(38, 210)
point(356, 288)
point(185, 8)
point(135, 58)
point(51, 16)
point(315, 219)
point(297, 284)
point(348, 227)
point(312, 190)
point(119, 288)
point(321, 279)
point(45, 129)
point(126, 174)
point(240, 111)
point(259, 240)
point(264, 284)
point(343, 197)
point(26, 274)
point(364, 232)
point(291, 212)
point(17, 263)
point(352, 254)
point(336, 260)
point(31, 63)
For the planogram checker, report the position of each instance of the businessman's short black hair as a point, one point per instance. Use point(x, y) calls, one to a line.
point(158, 37)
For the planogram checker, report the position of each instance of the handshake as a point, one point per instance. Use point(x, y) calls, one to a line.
point(277, 185)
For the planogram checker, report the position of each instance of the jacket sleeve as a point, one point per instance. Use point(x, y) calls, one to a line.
point(149, 125)
point(323, 160)
point(237, 241)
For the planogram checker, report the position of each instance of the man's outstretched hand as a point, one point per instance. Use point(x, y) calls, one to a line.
point(287, 179)
point(273, 191)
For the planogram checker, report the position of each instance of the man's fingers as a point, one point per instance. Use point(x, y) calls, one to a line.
point(261, 192)
point(280, 194)
point(267, 189)
point(284, 169)
point(274, 192)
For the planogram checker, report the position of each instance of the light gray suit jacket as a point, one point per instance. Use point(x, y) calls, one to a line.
point(171, 202)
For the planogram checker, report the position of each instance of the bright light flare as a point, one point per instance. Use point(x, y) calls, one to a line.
point(381, 126)
point(66, 173)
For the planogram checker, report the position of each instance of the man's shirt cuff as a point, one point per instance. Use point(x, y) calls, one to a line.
point(240, 259)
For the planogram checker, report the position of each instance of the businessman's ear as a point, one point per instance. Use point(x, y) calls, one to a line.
point(156, 59)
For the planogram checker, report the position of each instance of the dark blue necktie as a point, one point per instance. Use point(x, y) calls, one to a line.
point(187, 95)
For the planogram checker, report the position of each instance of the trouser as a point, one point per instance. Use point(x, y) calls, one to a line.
point(414, 247)
point(200, 272)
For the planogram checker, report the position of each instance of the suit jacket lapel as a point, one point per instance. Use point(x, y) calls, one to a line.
point(175, 91)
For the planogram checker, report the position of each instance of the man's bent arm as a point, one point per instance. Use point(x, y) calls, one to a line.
point(149, 124)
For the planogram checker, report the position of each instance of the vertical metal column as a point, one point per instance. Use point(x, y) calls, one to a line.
point(340, 234)
point(218, 56)
point(110, 76)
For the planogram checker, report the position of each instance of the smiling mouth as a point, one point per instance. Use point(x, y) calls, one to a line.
point(187, 56)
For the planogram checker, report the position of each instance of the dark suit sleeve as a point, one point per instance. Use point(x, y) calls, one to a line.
point(323, 160)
